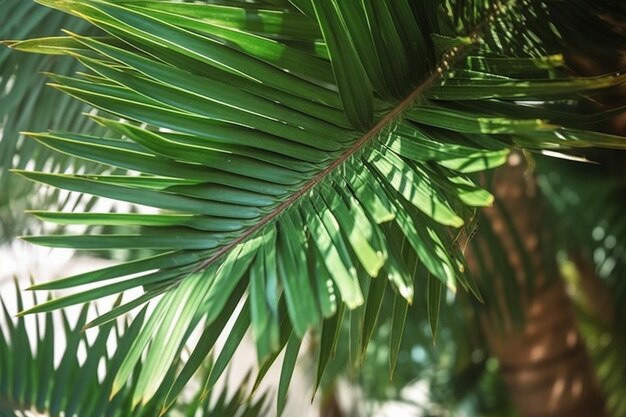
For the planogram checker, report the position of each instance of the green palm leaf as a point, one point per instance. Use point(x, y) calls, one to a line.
point(308, 176)
point(26, 104)
point(31, 382)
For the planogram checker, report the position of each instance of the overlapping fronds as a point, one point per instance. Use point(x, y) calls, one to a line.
point(311, 153)
point(33, 379)
point(27, 104)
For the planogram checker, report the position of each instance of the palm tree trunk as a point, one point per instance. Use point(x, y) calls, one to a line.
point(330, 404)
point(544, 362)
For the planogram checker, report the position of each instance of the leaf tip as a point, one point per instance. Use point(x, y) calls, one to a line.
point(117, 386)
point(70, 33)
point(457, 222)
point(9, 43)
point(31, 134)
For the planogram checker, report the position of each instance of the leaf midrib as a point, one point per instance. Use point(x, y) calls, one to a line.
point(309, 185)
point(444, 64)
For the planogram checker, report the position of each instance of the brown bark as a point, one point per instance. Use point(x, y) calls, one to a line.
point(330, 405)
point(544, 362)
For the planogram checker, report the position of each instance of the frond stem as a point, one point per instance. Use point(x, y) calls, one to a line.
point(397, 111)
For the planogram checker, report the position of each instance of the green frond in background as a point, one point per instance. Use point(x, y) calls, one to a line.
point(27, 104)
point(304, 156)
point(593, 226)
point(32, 380)
point(592, 216)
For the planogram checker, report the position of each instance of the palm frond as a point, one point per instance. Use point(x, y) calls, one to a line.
point(31, 380)
point(306, 163)
point(26, 104)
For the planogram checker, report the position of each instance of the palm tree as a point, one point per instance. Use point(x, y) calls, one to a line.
point(312, 160)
